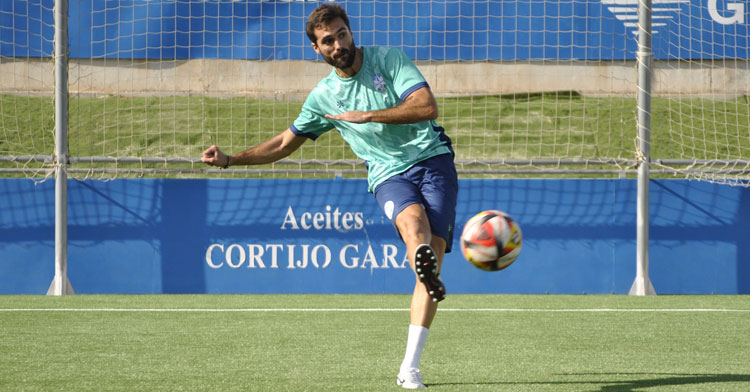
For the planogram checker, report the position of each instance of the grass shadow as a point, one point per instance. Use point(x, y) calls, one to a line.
point(667, 379)
point(652, 380)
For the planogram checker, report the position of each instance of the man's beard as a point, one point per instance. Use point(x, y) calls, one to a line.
point(345, 60)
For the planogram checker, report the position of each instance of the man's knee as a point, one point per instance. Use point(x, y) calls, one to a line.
point(413, 222)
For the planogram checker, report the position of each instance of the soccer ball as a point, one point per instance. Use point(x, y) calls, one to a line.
point(491, 240)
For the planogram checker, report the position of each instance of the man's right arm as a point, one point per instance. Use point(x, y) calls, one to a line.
point(271, 150)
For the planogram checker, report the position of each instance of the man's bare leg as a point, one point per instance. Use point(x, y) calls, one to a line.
point(414, 228)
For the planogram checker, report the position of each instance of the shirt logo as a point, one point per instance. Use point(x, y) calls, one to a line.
point(339, 104)
point(379, 82)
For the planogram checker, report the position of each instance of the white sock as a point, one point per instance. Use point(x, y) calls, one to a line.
point(414, 346)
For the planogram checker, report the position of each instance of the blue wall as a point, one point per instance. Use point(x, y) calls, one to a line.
point(173, 236)
point(436, 29)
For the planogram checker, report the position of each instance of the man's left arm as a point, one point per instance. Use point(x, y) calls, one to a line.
point(417, 107)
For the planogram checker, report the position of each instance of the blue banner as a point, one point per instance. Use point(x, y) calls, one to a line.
point(425, 30)
point(133, 236)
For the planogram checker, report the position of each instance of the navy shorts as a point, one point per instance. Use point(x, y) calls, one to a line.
point(433, 183)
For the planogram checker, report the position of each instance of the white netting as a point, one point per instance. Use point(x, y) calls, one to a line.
point(702, 130)
point(522, 86)
point(26, 86)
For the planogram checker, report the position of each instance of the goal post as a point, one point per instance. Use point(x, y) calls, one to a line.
point(642, 283)
point(60, 283)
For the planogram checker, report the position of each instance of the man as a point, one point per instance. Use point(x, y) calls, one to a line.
point(384, 109)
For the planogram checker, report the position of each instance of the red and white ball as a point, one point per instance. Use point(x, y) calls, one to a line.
point(491, 240)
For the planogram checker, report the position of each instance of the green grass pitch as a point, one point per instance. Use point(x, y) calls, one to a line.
point(356, 343)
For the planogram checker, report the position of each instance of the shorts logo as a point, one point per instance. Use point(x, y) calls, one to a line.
point(388, 209)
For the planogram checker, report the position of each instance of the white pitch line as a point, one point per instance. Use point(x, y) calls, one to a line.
point(262, 310)
point(205, 310)
point(598, 310)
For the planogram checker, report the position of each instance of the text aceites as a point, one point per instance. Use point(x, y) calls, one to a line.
point(323, 220)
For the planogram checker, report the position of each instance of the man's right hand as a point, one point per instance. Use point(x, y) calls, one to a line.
point(215, 157)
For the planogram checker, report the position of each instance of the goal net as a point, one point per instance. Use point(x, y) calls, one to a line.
point(524, 87)
point(26, 87)
point(701, 117)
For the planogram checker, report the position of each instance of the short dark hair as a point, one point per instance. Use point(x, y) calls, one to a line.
point(323, 15)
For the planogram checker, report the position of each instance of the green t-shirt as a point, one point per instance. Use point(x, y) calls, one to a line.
point(386, 79)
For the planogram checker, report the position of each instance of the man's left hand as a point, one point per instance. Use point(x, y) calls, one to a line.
point(353, 116)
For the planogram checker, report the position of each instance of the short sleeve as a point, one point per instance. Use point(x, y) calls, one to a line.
point(311, 121)
point(405, 75)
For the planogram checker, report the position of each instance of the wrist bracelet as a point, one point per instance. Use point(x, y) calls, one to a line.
point(227, 165)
